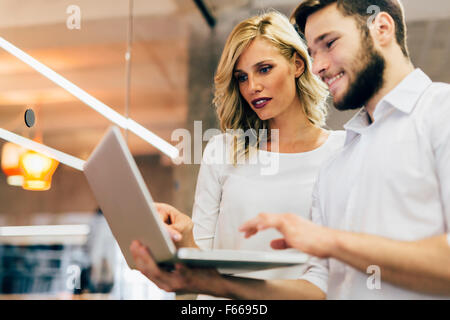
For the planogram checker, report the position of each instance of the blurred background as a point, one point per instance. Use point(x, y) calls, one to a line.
point(152, 61)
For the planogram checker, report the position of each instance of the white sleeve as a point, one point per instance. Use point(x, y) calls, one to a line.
point(440, 140)
point(208, 194)
point(317, 269)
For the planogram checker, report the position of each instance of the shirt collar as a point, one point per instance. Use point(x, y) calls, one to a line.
point(403, 97)
point(356, 125)
point(406, 94)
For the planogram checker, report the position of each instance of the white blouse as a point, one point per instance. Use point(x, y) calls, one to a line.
point(227, 196)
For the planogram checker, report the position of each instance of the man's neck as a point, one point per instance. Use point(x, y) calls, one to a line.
point(393, 75)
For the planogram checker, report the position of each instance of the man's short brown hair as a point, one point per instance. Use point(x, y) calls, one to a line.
point(359, 10)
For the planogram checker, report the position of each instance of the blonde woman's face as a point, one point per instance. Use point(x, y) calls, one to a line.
point(267, 80)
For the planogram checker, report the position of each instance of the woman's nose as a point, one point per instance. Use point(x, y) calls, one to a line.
point(254, 85)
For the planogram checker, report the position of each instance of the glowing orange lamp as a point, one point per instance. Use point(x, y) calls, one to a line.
point(37, 170)
point(10, 163)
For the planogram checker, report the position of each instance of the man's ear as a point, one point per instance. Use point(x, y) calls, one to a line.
point(299, 65)
point(383, 29)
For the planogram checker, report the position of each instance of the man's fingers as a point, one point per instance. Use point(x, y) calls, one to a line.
point(261, 222)
point(148, 267)
point(144, 262)
point(249, 228)
point(279, 244)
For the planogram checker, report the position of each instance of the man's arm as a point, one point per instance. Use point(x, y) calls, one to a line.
point(244, 289)
point(421, 265)
point(209, 281)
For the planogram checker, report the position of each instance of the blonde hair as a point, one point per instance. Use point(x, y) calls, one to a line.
point(233, 111)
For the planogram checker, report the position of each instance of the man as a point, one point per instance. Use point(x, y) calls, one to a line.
point(382, 204)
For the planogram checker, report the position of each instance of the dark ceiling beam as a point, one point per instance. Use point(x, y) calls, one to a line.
point(206, 12)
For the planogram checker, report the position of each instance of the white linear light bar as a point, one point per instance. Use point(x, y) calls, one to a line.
point(100, 107)
point(54, 230)
point(49, 152)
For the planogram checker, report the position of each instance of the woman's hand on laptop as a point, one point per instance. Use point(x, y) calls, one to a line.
point(178, 224)
point(181, 280)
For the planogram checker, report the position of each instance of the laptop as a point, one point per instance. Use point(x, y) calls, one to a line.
point(127, 205)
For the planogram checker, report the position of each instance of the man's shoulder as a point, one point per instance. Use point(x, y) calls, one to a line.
point(434, 104)
point(436, 93)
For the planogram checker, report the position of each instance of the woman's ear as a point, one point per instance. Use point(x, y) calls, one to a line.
point(299, 65)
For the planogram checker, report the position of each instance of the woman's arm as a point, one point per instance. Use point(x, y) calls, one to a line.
point(208, 193)
point(198, 232)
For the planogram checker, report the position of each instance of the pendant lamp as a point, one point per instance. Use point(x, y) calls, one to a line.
point(10, 163)
point(37, 170)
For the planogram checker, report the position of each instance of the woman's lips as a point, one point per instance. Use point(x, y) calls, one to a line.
point(260, 103)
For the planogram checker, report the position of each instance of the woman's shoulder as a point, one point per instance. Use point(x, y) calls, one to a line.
point(215, 150)
point(217, 142)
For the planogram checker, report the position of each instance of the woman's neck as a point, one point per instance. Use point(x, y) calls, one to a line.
point(296, 133)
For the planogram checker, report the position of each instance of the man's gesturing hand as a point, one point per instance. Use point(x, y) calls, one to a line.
point(298, 233)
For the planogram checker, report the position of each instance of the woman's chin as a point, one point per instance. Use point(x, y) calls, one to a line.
point(263, 116)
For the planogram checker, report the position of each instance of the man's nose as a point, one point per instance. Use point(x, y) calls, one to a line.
point(320, 64)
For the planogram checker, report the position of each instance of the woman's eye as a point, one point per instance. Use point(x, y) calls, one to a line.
point(265, 69)
point(241, 78)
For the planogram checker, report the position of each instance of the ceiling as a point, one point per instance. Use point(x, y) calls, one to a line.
point(93, 58)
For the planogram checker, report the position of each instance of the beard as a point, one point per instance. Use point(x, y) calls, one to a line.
point(368, 80)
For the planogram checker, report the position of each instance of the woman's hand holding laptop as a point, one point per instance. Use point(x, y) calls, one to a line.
point(178, 224)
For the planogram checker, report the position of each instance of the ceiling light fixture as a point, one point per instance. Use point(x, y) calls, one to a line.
point(11, 153)
point(37, 170)
point(100, 107)
point(37, 147)
point(48, 230)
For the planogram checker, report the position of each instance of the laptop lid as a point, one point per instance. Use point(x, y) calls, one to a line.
point(124, 199)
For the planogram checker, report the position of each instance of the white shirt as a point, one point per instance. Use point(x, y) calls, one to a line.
point(227, 196)
point(392, 179)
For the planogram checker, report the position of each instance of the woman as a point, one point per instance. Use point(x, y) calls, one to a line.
point(263, 82)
